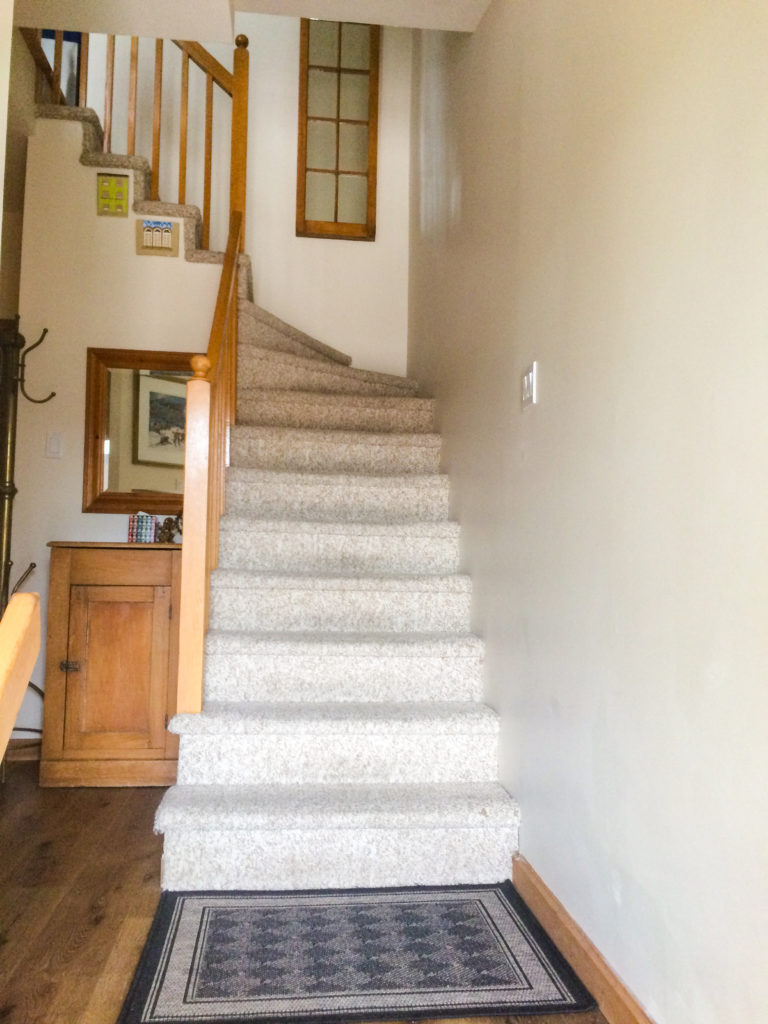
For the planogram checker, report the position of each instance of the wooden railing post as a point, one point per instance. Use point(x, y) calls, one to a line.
point(238, 164)
point(109, 82)
point(82, 98)
point(193, 610)
point(156, 120)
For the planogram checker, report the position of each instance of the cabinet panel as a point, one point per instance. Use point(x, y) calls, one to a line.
point(111, 663)
point(116, 704)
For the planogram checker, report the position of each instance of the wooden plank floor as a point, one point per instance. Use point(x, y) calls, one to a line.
point(79, 884)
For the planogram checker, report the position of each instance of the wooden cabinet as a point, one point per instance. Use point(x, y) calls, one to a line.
point(111, 663)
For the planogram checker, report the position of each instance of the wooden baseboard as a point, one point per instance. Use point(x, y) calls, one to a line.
point(20, 749)
point(107, 773)
point(616, 1002)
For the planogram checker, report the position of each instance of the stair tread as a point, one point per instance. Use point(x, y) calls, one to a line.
point(315, 436)
point(331, 718)
point(249, 309)
point(331, 369)
point(334, 806)
point(442, 528)
point(348, 480)
point(219, 641)
point(244, 580)
point(294, 395)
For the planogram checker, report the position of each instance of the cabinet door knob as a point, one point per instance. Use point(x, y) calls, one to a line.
point(69, 666)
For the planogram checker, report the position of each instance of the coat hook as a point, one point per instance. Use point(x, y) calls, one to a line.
point(22, 367)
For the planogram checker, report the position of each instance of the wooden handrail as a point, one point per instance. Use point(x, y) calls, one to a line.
point(207, 63)
point(19, 647)
point(31, 37)
point(210, 413)
point(225, 294)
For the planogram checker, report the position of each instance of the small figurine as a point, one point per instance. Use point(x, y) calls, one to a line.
point(167, 530)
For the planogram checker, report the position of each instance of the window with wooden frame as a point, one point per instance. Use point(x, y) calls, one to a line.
point(338, 121)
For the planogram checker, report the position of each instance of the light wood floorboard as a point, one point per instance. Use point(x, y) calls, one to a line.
point(79, 884)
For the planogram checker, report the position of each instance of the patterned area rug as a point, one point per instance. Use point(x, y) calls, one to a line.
point(332, 956)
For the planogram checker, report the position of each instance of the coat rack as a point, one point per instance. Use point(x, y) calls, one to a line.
point(13, 359)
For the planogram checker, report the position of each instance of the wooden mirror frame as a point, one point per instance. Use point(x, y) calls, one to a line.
point(99, 362)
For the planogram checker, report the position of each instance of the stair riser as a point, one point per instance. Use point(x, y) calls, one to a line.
point(233, 677)
point(337, 553)
point(258, 407)
point(332, 457)
point(253, 332)
point(336, 858)
point(264, 373)
point(329, 503)
point(335, 758)
point(339, 611)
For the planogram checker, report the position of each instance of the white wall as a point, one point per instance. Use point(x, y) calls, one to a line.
point(81, 278)
point(6, 33)
point(21, 117)
point(352, 295)
point(590, 192)
point(171, 19)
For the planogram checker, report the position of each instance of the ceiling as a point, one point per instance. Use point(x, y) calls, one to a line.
point(212, 20)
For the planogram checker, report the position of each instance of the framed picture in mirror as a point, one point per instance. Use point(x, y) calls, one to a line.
point(134, 430)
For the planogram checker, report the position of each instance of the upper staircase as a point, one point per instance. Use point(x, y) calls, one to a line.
point(343, 740)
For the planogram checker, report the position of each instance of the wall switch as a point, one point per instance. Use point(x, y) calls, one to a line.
point(54, 446)
point(530, 385)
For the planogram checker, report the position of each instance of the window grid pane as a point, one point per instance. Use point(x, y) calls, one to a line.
point(338, 62)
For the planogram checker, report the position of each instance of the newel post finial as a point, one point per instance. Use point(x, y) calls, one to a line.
point(241, 42)
point(200, 365)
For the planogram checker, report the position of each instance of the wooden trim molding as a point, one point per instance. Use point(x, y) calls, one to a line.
point(616, 1002)
point(23, 749)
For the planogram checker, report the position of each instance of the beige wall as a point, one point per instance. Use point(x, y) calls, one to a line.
point(81, 278)
point(589, 191)
point(352, 295)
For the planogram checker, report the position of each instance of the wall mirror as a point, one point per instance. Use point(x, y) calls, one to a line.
point(135, 407)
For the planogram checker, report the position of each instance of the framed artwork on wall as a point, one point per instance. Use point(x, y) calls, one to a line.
point(159, 419)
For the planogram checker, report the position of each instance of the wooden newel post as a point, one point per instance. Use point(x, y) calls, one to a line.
point(194, 569)
point(239, 131)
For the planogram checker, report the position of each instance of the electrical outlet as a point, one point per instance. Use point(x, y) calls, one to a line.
point(530, 386)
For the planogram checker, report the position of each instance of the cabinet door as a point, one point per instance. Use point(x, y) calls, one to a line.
point(117, 671)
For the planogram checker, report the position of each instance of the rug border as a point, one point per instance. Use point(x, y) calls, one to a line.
point(144, 973)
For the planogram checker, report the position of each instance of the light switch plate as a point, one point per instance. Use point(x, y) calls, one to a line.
point(157, 238)
point(530, 385)
point(112, 195)
point(54, 447)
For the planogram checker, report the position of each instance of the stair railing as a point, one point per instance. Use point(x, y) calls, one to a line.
point(217, 76)
point(211, 410)
point(211, 393)
point(211, 398)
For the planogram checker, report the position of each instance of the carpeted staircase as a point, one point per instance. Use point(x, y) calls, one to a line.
point(343, 739)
